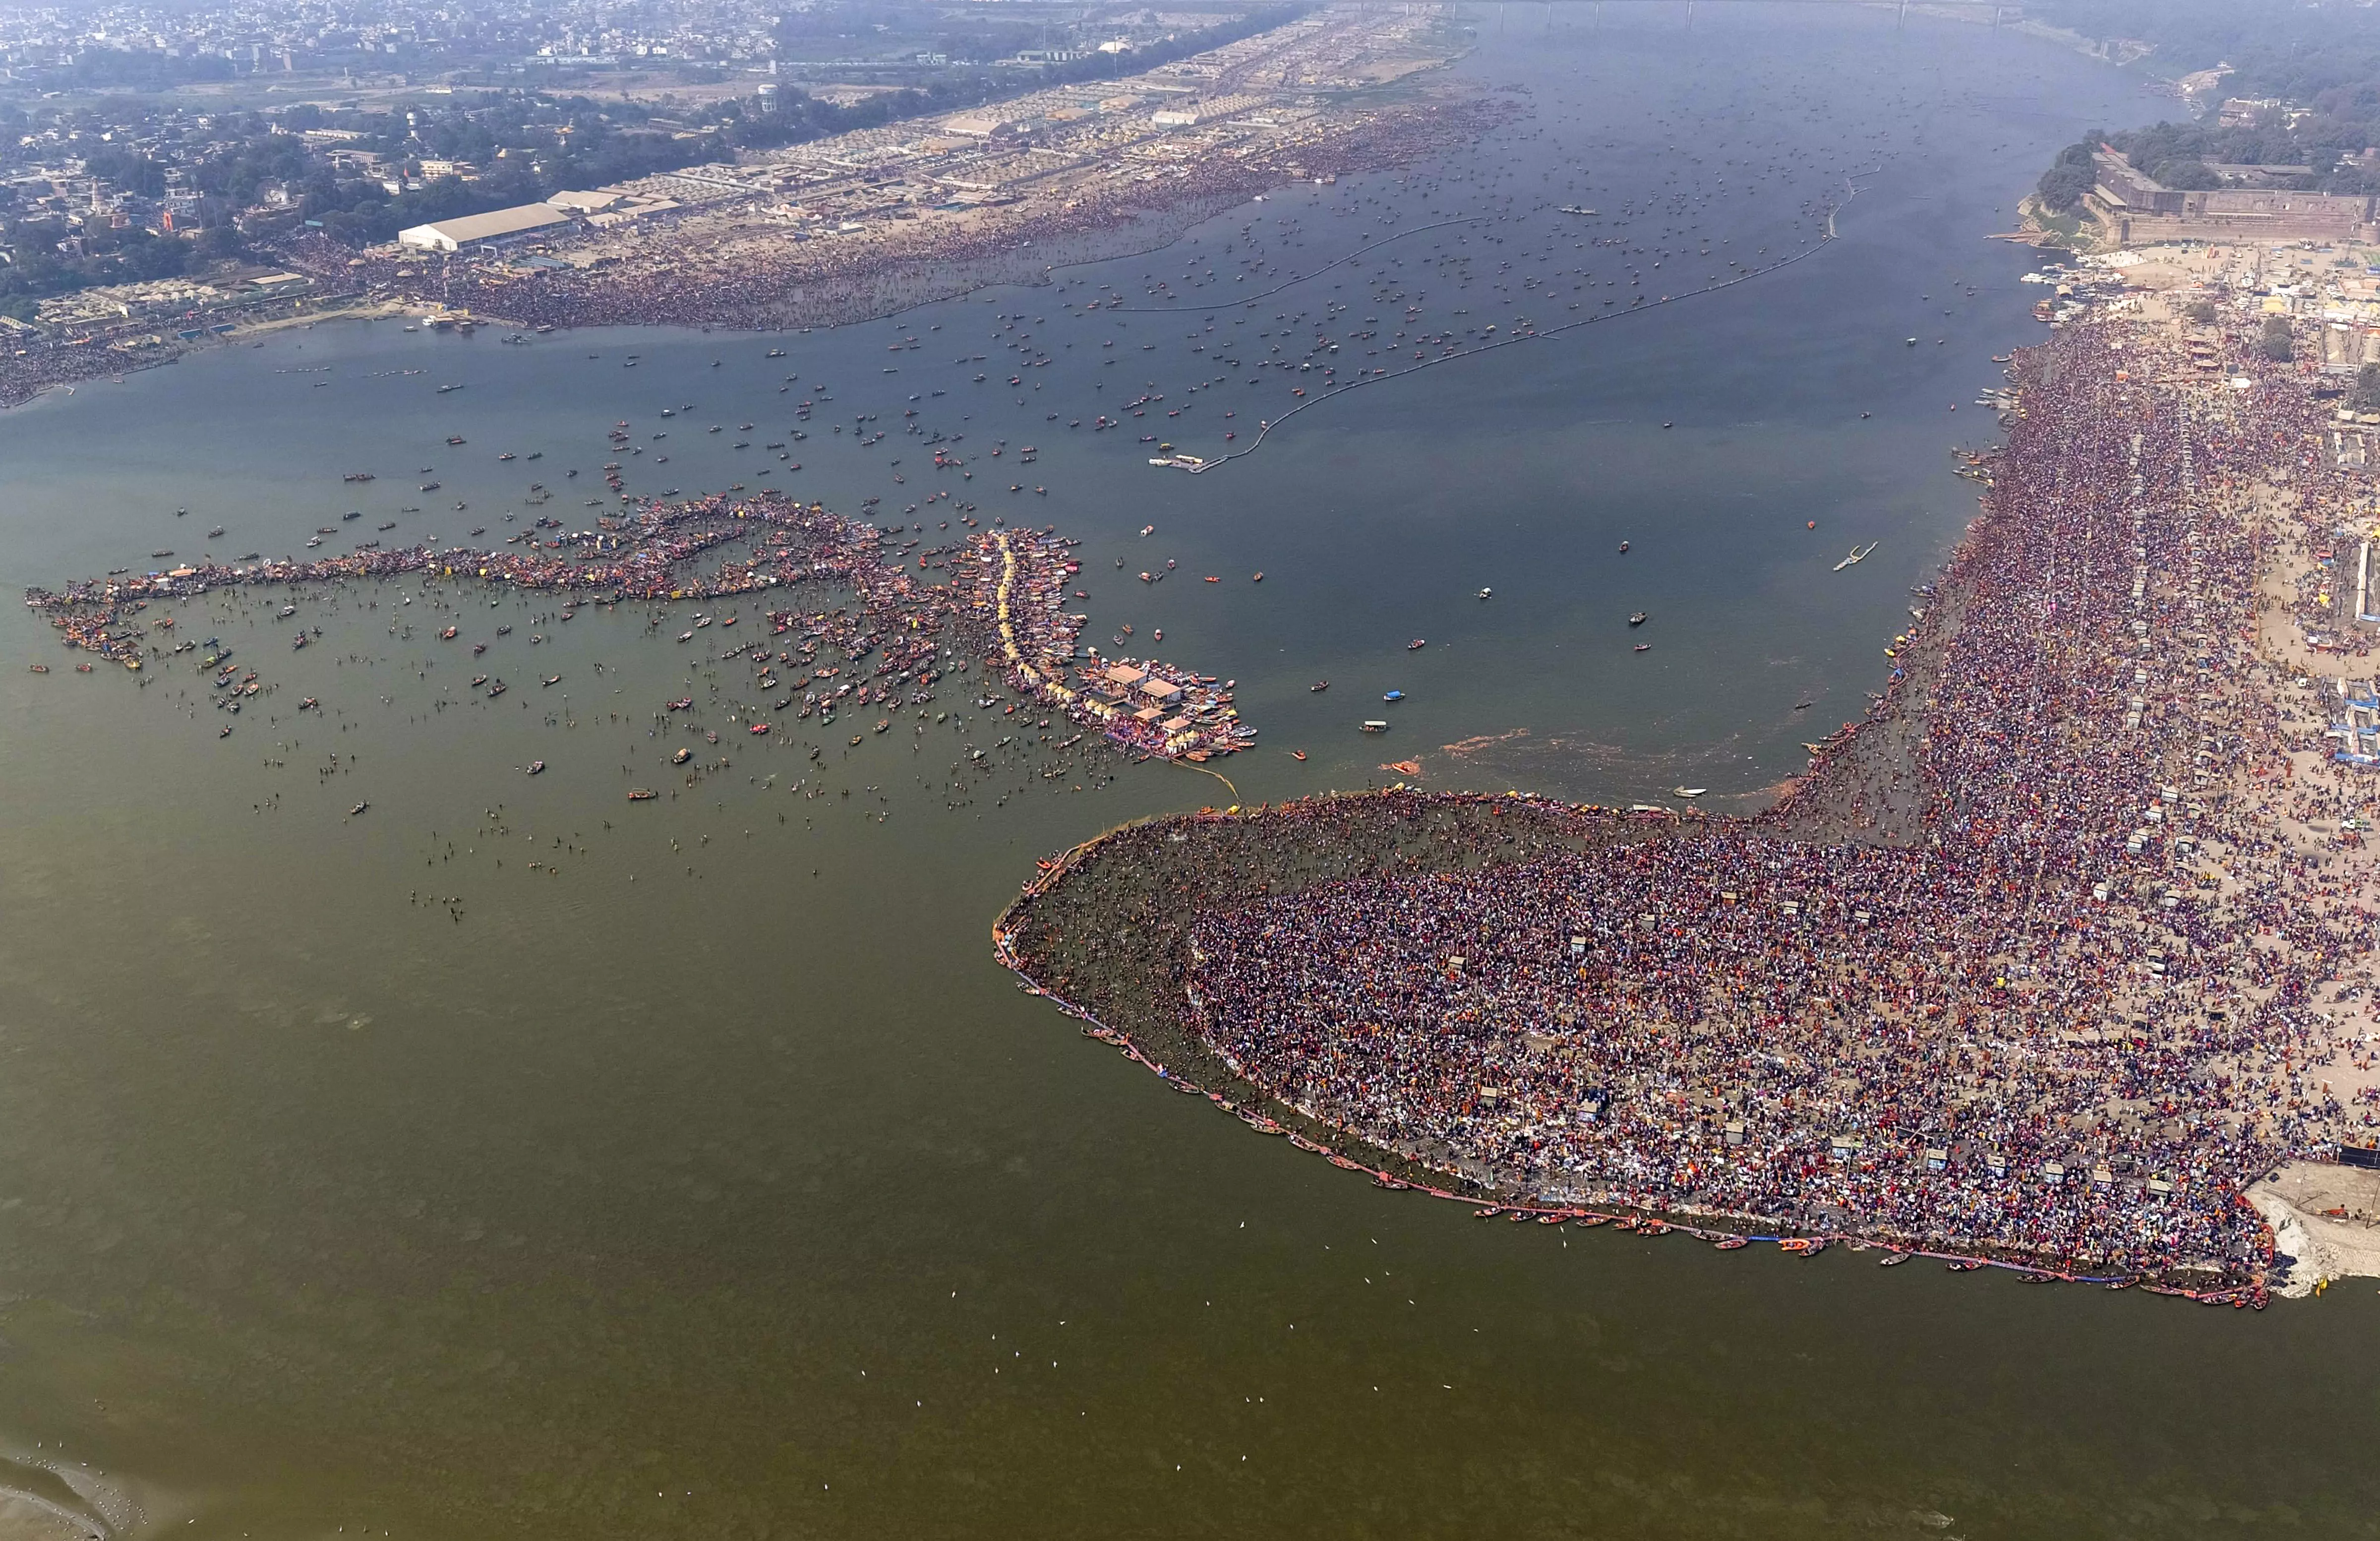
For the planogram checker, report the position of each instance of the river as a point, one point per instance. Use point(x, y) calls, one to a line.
point(696, 1173)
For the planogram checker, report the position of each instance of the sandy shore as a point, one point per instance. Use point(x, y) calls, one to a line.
point(2325, 1216)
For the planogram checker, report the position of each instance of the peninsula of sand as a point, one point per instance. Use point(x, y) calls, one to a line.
point(2044, 964)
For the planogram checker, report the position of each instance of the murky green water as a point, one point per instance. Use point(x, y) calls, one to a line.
point(718, 1184)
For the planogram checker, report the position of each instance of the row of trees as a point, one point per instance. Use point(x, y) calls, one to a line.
point(2322, 60)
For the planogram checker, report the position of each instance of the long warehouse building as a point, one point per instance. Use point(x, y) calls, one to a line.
point(453, 235)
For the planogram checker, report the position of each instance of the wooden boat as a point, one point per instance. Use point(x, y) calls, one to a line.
point(641, 794)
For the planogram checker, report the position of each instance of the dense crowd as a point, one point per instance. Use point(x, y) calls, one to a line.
point(2063, 1005)
point(702, 269)
point(26, 373)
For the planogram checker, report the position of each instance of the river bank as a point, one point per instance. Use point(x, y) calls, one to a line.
point(2095, 1016)
point(756, 274)
point(29, 373)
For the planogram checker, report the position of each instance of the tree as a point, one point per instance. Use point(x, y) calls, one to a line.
point(129, 170)
point(220, 243)
point(2188, 176)
point(2201, 312)
point(2069, 176)
point(2276, 345)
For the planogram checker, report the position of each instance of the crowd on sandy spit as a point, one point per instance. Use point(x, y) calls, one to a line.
point(2066, 1015)
point(735, 277)
point(27, 372)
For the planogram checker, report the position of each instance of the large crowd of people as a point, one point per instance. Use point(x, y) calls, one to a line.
point(997, 594)
point(703, 268)
point(2026, 964)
